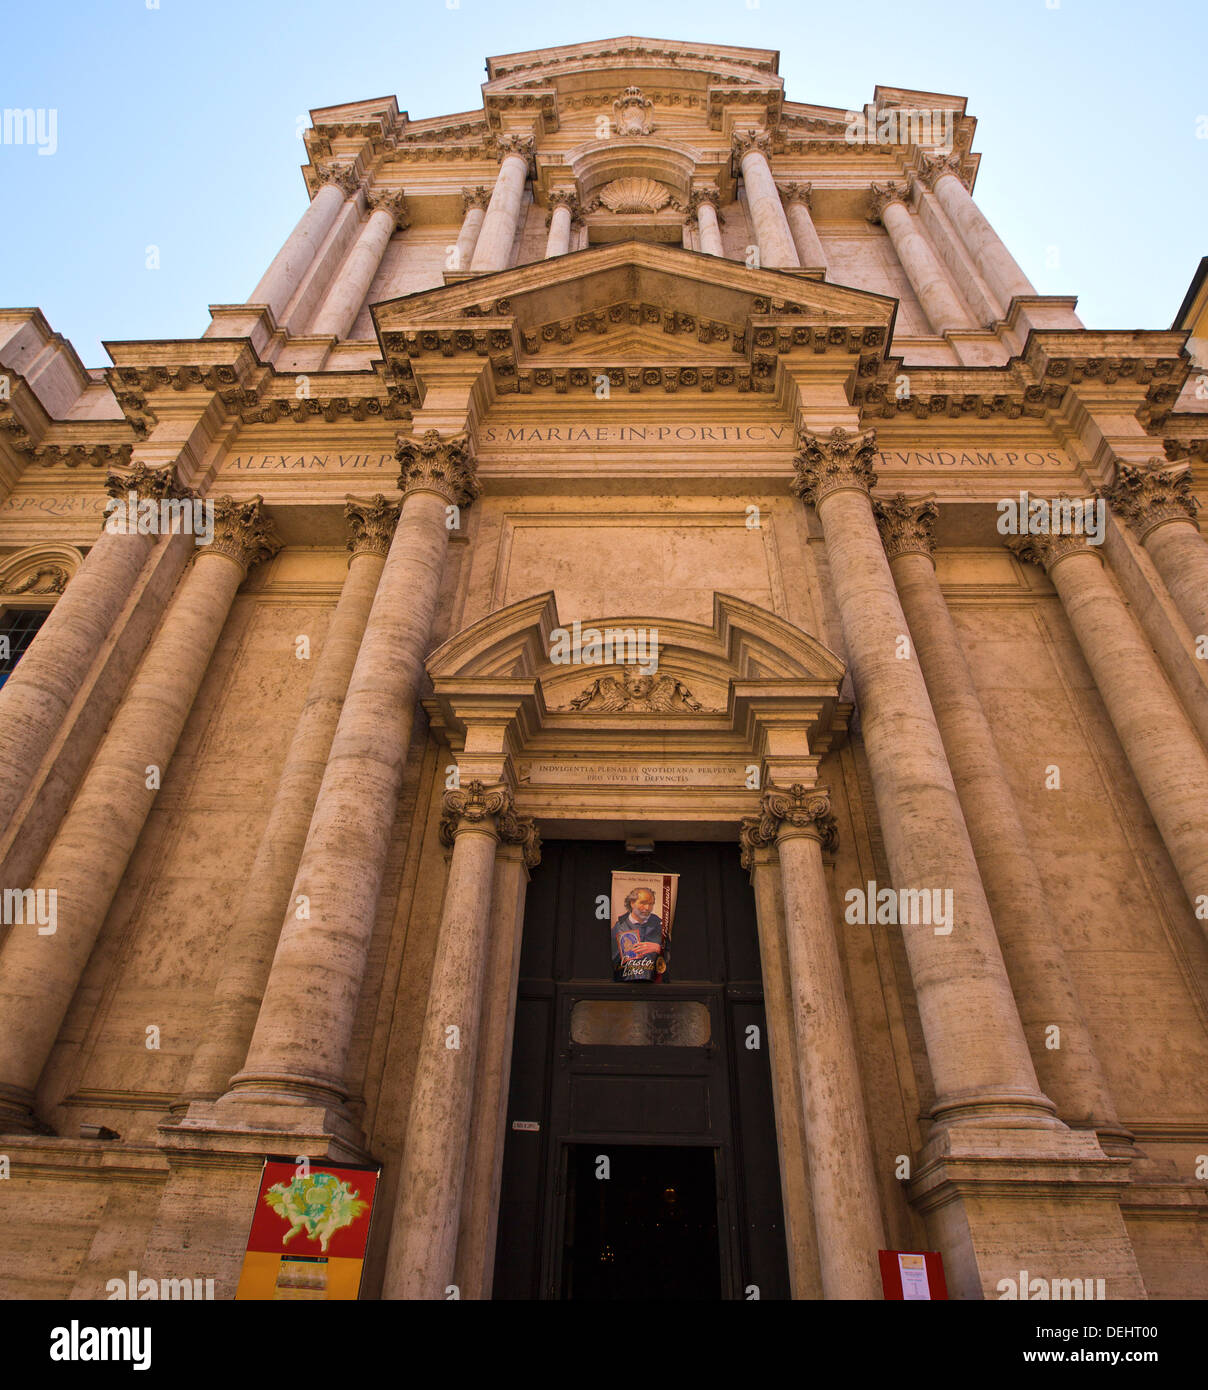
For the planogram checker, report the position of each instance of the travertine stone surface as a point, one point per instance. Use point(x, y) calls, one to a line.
point(842, 1183)
point(927, 276)
point(254, 931)
point(983, 243)
point(291, 263)
point(805, 235)
point(1167, 758)
point(493, 249)
point(39, 973)
point(975, 1044)
point(300, 1044)
point(1069, 1073)
point(772, 233)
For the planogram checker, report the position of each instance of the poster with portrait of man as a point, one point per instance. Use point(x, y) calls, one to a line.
point(643, 910)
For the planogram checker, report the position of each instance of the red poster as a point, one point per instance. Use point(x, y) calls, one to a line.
point(912, 1275)
point(309, 1232)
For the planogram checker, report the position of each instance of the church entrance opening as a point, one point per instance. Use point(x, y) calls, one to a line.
point(640, 1159)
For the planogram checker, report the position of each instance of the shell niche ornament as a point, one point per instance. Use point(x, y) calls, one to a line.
point(631, 113)
point(635, 195)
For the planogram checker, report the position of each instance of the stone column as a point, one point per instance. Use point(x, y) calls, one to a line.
point(1156, 502)
point(36, 697)
point(1044, 989)
point(253, 934)
point(423, 1243)
point(797, 198)
point(981, 240)
point(927, 277)
point(86, 862)
point(1166, 757)
point(494, 248)
point(291, 263)
point(846, 1207)
point(776, 249)
point(299, 1047)
point(474, 208)
point(978, 1055)
point(703, 204)
point(344, 300)
point(519, 851)
point(564, 204)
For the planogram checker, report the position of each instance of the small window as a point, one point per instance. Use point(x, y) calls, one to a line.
point(640, 1023)
point(19, 627)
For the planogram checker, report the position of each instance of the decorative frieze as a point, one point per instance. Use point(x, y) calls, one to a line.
point(839, 461)
point(243, 532)
point(635, 692)
point(1151, 496)
point(371, 524)
point(437, 463)
point(77, 455)
point(906, 525)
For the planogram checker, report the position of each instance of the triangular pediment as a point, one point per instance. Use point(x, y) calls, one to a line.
point(636, 272)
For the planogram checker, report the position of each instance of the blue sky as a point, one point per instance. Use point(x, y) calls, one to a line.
point(177, 127)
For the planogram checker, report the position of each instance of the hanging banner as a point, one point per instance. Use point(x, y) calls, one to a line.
point(643, 909)
point(912, 1276)
point(309, 1232)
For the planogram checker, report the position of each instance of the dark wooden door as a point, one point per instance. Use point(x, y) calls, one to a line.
point(662, 1090)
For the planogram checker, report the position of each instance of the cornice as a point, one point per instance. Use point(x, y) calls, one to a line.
point(952, 392)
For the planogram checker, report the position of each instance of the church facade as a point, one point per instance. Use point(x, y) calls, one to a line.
point(644, 476)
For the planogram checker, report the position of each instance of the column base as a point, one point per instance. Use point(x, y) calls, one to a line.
point(1001, 1202)
point(261, 1117)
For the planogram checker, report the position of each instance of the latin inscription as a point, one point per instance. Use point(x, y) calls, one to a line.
point(579, 773)
point(311, 463)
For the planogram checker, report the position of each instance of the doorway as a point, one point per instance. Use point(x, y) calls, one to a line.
point(668, 1083)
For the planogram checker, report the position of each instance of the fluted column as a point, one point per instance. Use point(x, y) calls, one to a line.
point(342, 305)
point(1156, 502)
point(253, 934)
point(1044, 990)
point(978, 1055)
point(797, 199)
point(842, 1179)
point(927, 276)
point(89, 855)
point(423, 1244)
point(982, 242)
point(519, 851)
point(474, 208)
point(291, 263)
point(751, 149)
point(703, 204)
point(36, 697)
point(1167, 759)
point(494, 248)
point(299, 1047)
point(564, 204)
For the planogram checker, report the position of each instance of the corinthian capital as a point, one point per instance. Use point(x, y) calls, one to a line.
point(1151, 496)
point(839, 461)
point(935, 167)
point(371, 524)
point(344, 177)
point(744, 141)
point(797, 193)
point(437, 463)
point(503, 145)
point(880, 195)
point(391, 200)
point(1048, 549)
point(515, 829)
point(154, 483)
point(797, 809)
point(475, 198)
point(243, 532)
point(906, 526)
point(473, 805)
point(564, 198)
